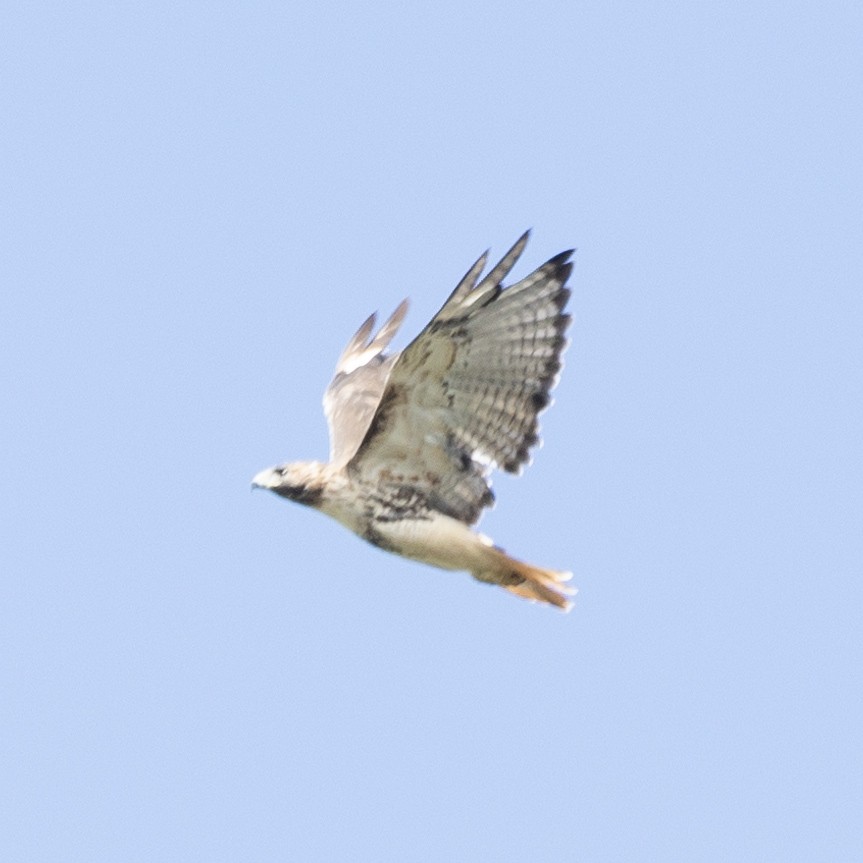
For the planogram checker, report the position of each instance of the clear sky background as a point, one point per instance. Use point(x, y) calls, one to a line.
point(200, 204)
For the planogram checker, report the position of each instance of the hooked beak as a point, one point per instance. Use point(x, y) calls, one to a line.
point(264, 479)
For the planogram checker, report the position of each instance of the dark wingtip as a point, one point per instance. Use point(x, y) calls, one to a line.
point(540, 400)
point(561, 262)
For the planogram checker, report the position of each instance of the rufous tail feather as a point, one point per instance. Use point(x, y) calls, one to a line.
point(526, 581)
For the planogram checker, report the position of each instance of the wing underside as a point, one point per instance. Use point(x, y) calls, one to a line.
point(355, 391)
point(463, 398)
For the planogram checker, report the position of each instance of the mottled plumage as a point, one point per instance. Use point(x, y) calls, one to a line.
point(415, 436)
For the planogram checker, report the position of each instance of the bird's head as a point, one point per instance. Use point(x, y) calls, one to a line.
point(301, 481)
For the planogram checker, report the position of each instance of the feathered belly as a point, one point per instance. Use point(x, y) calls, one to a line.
point(434, 539)
point(399, 519)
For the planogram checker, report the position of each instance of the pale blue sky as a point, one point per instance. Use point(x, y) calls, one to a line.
point(201, 202)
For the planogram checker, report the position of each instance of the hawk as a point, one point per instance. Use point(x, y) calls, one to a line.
point(415, 435)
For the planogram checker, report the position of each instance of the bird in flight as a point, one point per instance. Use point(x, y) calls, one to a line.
point(415, 435)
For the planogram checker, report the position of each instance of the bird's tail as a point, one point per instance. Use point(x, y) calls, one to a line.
point(529, 582)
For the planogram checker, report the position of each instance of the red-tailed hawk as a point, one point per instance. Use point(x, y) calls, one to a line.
point(414, 436)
